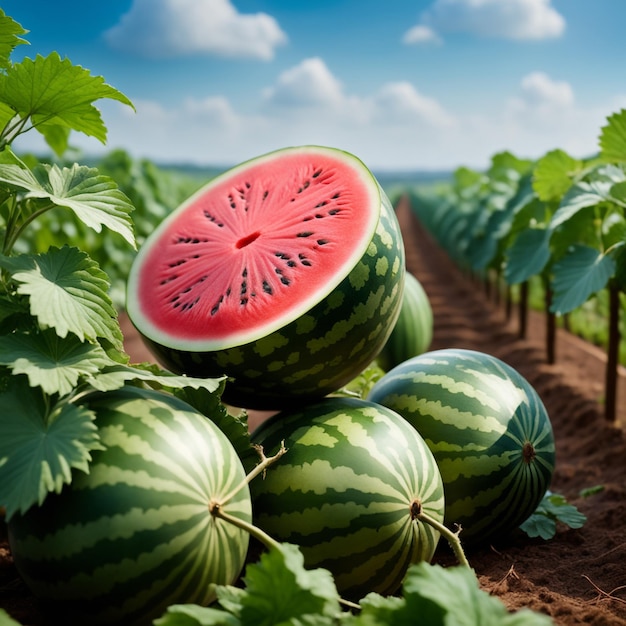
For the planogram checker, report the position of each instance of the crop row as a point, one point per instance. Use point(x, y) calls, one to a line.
point(557, 223)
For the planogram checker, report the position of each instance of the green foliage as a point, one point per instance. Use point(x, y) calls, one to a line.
point(560, 219)
point(6, 620)
point(59, 333)
point(553, 509)
point(613, 138)
point(278, 590)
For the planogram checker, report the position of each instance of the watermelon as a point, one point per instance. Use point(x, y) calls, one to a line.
point(413, 331)
point(285, 273)
point(345, 490)
point(122, 543)
point(488, 430)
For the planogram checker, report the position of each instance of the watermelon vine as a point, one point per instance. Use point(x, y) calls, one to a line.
point(59, 333)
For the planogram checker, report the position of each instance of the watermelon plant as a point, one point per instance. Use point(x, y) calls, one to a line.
point(413, 331)
point(430, 594)
point(352, 491)
point(59, 334)
point(138, 532)
point(285, 273)
point(487, 429)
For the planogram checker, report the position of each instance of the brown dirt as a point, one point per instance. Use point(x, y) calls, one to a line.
point(579, 577)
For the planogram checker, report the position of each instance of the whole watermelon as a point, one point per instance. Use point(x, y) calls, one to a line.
point(413, 331)
point(122, 543)
point(285, 273)
point(487, 429)
point(345, 490)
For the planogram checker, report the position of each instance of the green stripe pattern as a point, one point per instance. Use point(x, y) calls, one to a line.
point(413, 332)
point(135, 535)
point(323, 349)
point(488, 430)
point(343, 492)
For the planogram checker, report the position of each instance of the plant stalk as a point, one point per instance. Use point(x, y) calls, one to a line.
point(417, 512)
point(258, 469)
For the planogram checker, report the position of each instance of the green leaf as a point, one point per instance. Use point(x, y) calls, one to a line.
point(195, 615)
point(554, 175)
point(38, 448)
point(95, 199)
point(68, 292)
point(613, 138)
point(116, 376)
point(577, 275)
point(9, 39)
point(553, 508)
point(9, 306)
point(581, 196)
point(53, 363)
point(527, 255)
point(6, 619)
point(618, 192)
point(456, 591)
point(280, 589)
point(587, 492)
point(54, 92)
point(539, 525)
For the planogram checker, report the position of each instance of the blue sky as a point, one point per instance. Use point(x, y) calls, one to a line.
point(421, 84)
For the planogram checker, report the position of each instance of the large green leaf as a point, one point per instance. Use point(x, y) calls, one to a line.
point(68, 292)
point(554, 175)
point(577, 275)
point(116, 376)
point(39, 449)
point(94, 198)
point(54, 92)
point(9, 39)
point(455, 590)
point(195, 615)
point(613, 138)
point(53, 363)
point(527, 255)
point(281, 589)
point(581, 196)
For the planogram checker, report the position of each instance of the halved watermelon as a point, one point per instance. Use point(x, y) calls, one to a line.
point(285, 273)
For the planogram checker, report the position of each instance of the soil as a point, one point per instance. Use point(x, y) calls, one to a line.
point(579, 576)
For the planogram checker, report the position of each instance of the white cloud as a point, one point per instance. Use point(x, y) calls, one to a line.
point(539, 89)
point(421, 34)
point(310, 83)
point(401, 103)
point(394, 126)
point(311, 91)
point(506, 19)
point(168, 28)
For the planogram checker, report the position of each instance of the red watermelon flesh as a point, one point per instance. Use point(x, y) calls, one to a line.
point(255, 248)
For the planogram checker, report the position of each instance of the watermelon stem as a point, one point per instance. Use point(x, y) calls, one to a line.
point(215, 508)
point(258, 469)
point(417, 513)
point(269, 542)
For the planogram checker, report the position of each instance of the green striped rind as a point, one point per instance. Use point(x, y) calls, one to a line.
point(344, 489)
point(322, 350)
point(479, 416)
point(413, 331)
point(135, 535)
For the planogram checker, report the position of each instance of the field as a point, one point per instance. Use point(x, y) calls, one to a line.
point(578, 577)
